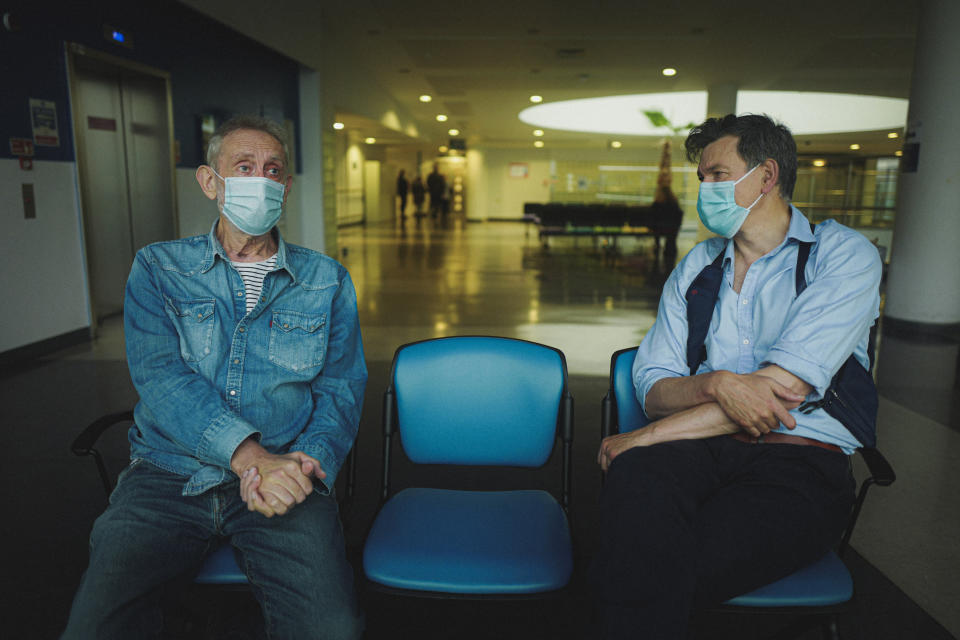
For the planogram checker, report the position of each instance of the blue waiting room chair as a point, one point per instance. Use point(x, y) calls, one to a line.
point(487, 404)
point(220, 567)
point(825, 588)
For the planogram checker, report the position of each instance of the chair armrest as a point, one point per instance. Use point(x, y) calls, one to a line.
point(880, 470)
point(83, 444)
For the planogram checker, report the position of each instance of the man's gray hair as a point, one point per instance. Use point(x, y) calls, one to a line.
point(236, 123)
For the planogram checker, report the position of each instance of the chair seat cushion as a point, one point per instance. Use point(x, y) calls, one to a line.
point(470, 542)
point(220, 567)
point(825, 582)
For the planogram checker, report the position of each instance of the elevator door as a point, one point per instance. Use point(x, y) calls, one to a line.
point(125, 167)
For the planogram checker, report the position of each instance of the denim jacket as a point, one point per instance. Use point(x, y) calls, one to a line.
point(290, 373)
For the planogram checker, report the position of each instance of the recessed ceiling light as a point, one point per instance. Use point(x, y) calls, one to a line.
point(442, 148)
point(441, 117)
point(893, 134)
point(854, 147)
point(669, 71)
point(898, 153)
point(536, 99)
point(819, 163)
point(426, 98)
point(538, 143)
point(454, 132)
point(616, 144)
point(538, 132)
point(370, 140)
point(338, 125)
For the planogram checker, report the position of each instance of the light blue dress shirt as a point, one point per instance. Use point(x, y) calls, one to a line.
point(209, 374)
point(810, 336)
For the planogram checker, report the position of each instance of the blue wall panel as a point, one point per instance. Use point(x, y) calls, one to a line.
point(213, 69)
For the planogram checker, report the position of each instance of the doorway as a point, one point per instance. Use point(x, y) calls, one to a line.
point(123, 131)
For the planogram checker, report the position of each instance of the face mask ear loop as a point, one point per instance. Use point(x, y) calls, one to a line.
point(750, 208)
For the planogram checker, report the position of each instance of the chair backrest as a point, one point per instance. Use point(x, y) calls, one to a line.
point(478, 400)
point(629, 414)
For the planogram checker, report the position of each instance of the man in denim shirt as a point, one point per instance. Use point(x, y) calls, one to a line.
point(730, 487)
point(247, 357)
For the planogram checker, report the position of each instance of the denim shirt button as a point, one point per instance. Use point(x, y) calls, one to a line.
point(242, 329)
point(239, 294)
point(236, 361)
point(233, 392)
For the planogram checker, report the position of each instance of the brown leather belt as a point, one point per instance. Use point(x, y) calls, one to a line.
point(783, 438)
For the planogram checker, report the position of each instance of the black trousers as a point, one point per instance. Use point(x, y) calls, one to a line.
point(693, 523)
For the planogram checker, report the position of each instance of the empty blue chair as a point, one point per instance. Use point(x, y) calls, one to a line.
point(822, 589)
point(479, 402)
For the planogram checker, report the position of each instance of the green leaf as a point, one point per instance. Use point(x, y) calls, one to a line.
point(657, 118)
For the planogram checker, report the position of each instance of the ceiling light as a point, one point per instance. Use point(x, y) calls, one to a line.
point(893, 134)
point(854, 147)
point(898, 153)
point(538, 132)
point(819, 163)
point(442, 148)
point(669, 71)
point(370, 140)
point(441, 117)
point(616, 144)
point(454, 132)
point(536, 99)
point(804, 112)
point(426, 98)
point(538, 144)
point(338, 125)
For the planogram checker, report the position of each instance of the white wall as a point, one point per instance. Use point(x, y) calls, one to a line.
point(43, 281)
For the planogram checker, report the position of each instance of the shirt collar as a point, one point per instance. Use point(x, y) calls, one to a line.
point(214, 249)
point(798, 231)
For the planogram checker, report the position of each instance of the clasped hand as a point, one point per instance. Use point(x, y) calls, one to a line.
point(756, 402)
point(275, 483)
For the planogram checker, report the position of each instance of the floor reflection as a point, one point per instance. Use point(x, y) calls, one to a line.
point(427, 279)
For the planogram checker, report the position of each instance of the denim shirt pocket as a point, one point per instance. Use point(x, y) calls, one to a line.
point(298, 341)
point(194, 320)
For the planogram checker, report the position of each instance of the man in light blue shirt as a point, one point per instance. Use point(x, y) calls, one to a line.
point(730, 487)
point(247, 357)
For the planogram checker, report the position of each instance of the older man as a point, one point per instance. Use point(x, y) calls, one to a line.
point(247, 357)
point(732, 487)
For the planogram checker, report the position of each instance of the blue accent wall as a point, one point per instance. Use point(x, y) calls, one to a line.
point(213, 69)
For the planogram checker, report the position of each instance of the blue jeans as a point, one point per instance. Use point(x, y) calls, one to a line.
point(152, 535)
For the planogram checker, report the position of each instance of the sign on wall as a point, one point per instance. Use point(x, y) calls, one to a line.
point(43, 116)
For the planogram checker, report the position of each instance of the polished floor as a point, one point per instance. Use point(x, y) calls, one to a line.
point(424, 280)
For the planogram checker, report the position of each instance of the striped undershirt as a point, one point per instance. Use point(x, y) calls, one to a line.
point(253, 274)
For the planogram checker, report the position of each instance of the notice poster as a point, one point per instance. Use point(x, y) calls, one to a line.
point(43, 116)
point(519, 169)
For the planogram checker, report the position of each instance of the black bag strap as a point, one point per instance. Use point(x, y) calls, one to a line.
point(701, 298)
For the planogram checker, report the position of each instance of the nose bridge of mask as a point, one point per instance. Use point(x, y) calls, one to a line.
point(257, 187)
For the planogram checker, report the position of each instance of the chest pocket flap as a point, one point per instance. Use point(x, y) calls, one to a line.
point(194, 321)
point(298, 341)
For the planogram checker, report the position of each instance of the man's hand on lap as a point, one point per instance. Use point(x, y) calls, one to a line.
point(756, 402)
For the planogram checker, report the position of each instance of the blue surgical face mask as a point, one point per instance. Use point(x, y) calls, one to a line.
point(718, 208)
point(252, 204)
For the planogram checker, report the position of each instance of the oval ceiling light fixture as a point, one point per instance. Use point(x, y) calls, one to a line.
point(338, 126)
point(536, 99)
point(538, 132)
point(898, 153)
point(370, 140)
point(538, 144)
point(615, 144)
point(819, 163)
point(426, 98)
point(893, 134)
point(441, 117)
point(669, 72)
point(804, 112)
point(454, 132)
point(854, 147)
point(443, 148)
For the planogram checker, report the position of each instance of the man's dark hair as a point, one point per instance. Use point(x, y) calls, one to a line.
point(758, 138)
